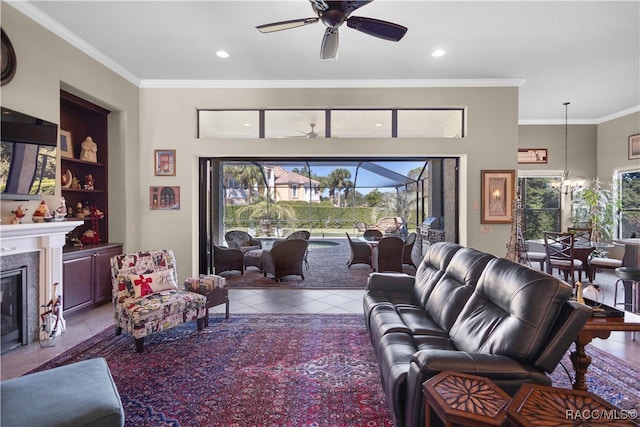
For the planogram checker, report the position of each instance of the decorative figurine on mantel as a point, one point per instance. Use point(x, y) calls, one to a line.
point(41, 214)
point(19, 213)
point(89, 150)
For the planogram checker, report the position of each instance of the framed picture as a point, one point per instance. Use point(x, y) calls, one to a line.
point(498, 192)
point(165, 162)
point(532, 155)
point(164, 198)
point(634, 146)
point(66, 145)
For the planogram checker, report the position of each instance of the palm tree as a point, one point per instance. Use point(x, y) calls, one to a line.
point(336, 181)
point(267, 211)
point(248, 176)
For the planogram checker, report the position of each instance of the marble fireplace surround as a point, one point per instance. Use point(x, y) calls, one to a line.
point(46, 240)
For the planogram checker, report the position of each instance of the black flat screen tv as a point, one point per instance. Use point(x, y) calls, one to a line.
point(27, 156)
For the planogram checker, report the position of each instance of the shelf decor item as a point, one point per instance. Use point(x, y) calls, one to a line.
point(66, 145)
point(165, 163)
point(89, 150)
point(497, 196)
point(634, 146)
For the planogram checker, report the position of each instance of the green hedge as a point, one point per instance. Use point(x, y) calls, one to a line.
point(320, 215)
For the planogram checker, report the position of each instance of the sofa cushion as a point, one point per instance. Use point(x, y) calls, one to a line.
point(455, 286)
point(431, 269)
point(510, 312)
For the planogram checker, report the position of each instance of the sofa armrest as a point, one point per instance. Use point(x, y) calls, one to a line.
point(564, 332)
point(396, 282)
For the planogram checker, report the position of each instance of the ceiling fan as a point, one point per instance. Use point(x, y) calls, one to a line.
point(311, 134)
point(335, 13)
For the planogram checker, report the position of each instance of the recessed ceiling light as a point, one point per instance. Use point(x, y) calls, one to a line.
point(438, 53)
point(222, 54)
point(378, 125)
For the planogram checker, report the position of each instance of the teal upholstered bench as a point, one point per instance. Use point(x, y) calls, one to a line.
point(79, 394)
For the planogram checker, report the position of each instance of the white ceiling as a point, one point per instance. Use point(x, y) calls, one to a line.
point(584, 52)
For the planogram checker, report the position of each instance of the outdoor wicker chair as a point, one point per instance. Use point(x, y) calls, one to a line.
point(408, 248)
point(389, 255)
point(242, 240)
point(360, 252)
point(227, 259)
point(285, 258)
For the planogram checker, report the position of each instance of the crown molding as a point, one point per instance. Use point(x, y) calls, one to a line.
point(298, 84)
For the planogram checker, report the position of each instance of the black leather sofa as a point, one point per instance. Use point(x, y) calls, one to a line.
point(471, 312)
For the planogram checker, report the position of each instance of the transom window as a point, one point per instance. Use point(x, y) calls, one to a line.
point(332, 123)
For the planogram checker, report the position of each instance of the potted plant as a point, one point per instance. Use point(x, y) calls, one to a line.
point(268, 212)
point(595, 206)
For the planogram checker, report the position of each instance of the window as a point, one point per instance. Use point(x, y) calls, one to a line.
point(629, 204)
point(328, 123)
point(294, 191)
point(541, 204)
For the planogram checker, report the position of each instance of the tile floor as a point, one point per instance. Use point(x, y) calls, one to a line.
point(84, 325)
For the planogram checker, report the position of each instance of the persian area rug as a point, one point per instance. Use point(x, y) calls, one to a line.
point(613, 379)
point(274, 370)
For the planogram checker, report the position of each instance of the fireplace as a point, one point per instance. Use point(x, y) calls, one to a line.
point(13, 304)
point(38, 247)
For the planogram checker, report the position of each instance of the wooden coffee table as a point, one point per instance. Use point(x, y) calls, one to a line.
point(538, 405)
point(463, 399)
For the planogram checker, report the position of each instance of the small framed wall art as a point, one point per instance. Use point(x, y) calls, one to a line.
point(165, 162)
point(498, 192)
point(65, 144)
point(532, 155)
point(164, 198)
point(634, 146)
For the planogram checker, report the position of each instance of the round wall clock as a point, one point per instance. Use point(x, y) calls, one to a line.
point(8, 59)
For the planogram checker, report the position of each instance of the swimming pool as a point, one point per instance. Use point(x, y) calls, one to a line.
point(267, 243)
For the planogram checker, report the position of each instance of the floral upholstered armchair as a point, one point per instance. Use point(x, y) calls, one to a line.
point(147, 298)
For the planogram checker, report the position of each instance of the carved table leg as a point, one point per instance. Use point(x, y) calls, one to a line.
point(581, 362)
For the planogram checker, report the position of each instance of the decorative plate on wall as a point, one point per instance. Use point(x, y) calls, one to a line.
point(8, 60)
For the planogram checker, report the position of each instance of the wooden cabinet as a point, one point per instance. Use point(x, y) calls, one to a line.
point(84, 119)
point(86, 275)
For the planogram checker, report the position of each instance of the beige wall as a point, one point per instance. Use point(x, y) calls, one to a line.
point(46, 64)
point(613, 145)
point(582, 156)
point(168, 119)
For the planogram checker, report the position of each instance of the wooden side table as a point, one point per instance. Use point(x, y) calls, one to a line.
point(464, 399)
point(215, 296)
point(538, 405)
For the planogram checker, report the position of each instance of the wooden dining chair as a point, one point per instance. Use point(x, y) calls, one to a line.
point(560, 254)
point(582, 235)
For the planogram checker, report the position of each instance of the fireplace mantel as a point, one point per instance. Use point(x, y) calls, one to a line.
point(48, 239)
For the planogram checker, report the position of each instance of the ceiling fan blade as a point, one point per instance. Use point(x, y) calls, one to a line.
point(285, 25)
point(350, 5)
point(329, 48)
point(319, 5)
point(377, 28)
